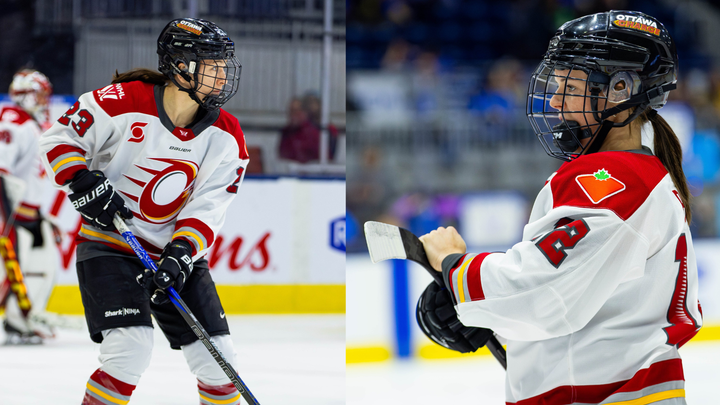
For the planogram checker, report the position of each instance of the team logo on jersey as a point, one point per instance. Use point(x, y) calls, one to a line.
point(111, 91)
point(183, 134)
point(167, 192)
point(599, 185)
point(137, 133)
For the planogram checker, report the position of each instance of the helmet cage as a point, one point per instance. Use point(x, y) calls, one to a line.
point(31, 91)
point(209, 64)
point(560, 135)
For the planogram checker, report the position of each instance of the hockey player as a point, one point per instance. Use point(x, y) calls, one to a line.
point(602, 291)
point(20, 127)
point(155, 147)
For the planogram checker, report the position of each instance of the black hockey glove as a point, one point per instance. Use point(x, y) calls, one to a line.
point(174, 268)
point(34, 227)
point(438, 320)
point(175, 265)
point(96, 200)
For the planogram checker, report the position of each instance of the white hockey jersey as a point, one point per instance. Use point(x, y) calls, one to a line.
point(19, 134)
point(178, 182)
point(601, 292)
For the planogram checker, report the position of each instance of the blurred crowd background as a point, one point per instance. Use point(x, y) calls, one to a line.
point(436, 109)
point(79, 44)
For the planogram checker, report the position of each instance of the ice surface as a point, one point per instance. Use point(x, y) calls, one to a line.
point(298, 359)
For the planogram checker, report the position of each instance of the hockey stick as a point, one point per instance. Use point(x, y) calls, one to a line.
point(387, 241)
point(186, 314)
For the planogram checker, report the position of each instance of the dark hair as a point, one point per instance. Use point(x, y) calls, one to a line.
point(142, 74)
point(668, 150)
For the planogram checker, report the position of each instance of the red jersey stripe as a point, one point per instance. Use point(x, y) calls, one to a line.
point(62, 150)
point(473, 278)
point(660, 372)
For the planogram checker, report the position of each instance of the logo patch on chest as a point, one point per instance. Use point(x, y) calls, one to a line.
point(599, 185)
point(166, 192)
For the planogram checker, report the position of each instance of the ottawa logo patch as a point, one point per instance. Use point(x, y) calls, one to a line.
point(599, 185)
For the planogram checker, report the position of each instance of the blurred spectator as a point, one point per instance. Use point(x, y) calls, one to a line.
point(503, 93)
point(368, 191)
point(300, 138)
point(396, 56)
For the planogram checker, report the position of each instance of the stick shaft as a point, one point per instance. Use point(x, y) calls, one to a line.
point(186, 314)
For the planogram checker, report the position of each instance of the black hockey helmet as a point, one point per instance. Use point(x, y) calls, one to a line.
point(602, 63)
point(208, 56)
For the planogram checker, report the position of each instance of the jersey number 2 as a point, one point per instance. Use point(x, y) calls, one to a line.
point(234, 187)
point(683, 327)
point(85, 122)
point(554, 244)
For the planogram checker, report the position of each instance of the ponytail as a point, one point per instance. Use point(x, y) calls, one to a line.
point(142, 74)
point(668, 150)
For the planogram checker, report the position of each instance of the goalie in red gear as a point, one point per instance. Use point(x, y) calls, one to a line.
point(602, 291)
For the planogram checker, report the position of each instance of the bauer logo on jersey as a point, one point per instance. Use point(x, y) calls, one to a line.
point(111, 92)
point(137, 133)
point(165, 191)
point(599, 185)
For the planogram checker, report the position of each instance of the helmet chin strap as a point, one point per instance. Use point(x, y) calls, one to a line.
point(640, 100)
point(190, 91)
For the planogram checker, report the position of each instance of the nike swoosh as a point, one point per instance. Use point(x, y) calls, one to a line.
point(222, 315)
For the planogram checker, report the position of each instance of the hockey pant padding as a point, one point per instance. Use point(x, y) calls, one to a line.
point(125, 352)
point(38, 266)
point(103, 389)
point(204, 366)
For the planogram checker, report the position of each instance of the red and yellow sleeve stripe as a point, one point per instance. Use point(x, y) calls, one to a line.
point(195, 232)
point(65, 161)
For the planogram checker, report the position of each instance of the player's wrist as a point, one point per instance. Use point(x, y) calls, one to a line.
point(85, 180)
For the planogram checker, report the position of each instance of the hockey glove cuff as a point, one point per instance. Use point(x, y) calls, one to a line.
point(438, 320)
point(175, 265)
point(96, 200)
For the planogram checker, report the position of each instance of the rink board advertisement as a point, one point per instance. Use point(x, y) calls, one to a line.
point(281, 250)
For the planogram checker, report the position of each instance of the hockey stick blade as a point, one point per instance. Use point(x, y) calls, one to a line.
point(187, 315)
point(387, 241)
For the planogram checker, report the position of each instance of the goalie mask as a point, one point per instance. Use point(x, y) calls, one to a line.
point(204, 56)
point(596, 67)
point(31, 91)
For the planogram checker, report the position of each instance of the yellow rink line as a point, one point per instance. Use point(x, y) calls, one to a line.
point(245, 299)
point(431, 351)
